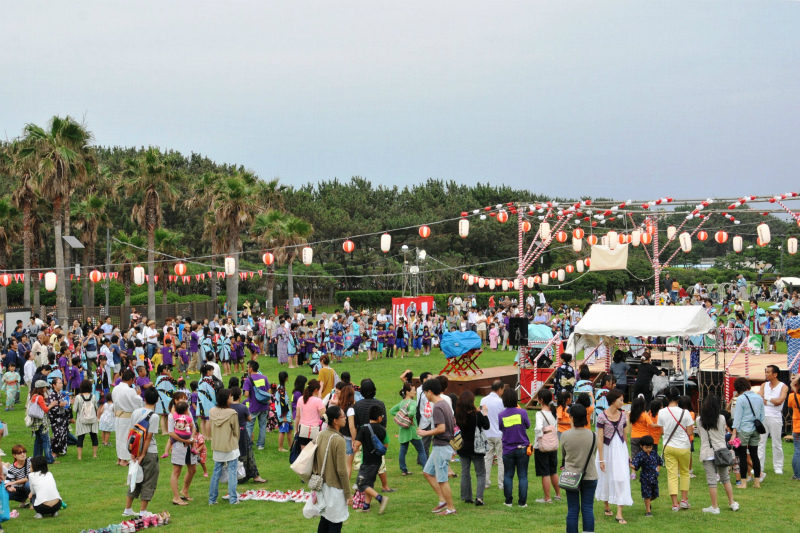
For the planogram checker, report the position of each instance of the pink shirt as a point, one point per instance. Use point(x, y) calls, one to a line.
point(310, 411)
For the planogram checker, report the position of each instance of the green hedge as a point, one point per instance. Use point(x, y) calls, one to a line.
point(378, 299)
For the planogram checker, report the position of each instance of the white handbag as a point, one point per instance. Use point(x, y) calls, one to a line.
point(305, 461)
point(315, 505)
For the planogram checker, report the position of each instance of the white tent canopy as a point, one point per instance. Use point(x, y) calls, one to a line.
point(638, 321)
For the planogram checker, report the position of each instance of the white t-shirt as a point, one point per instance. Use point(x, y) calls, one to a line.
point(150, 335)
point(154, 421)
point(217, 372)
point(44, 487)
point(668, 418)
point(495, 406)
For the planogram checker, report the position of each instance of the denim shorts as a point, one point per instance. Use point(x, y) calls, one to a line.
point(348, 445)
point(438, 463)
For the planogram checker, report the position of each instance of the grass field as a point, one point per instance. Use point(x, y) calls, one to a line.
point(94, 489)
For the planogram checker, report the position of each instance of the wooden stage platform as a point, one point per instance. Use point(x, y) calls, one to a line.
point(481, 384)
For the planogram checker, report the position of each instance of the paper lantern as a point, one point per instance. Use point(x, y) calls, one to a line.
point(537, 279)
point(646, 238)
point(471, 280)
point(268, 258)
point(737, 244)
point(613, 239)
point(505, 285)
point(95, 276)
point(636, 237)
point(50, 279)
point(138, 275)
point(671, 231)
point(570, 269)
point(463, 228)
point(530, 282)
point(791, 245)
point(308, 255)
point(516, 284)
point(386, 242)
point(721, 237)
point(526, 226)
point(498, 282)
point(649, 228)
point(561, 236)
point(180, 269)
point(592, 240)
point(760, 242)
point(579, 265)
point(577, 244)
point(5, 280)
point(561, 274)
point(502, 217)
point(464, 276)
point(348, 246)
point(702, 235)
point(685, 241)
point(763, 233)
point(577, 233)
point(544, 230)
point(553, 274)
point(624, 238)
point(230, 266)
point(491, 284)
point(587, 262)
point(424, 232)
point(481, 282)
point(545, 279)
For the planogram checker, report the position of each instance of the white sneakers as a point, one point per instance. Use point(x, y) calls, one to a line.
point(734, 506)
point(779, 472)
point(712, 510)
point(129, 512)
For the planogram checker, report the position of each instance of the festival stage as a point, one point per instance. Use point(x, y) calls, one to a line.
point(480, 384)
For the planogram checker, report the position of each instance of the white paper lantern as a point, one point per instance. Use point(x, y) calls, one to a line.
point(530, 282)
point(230, 266)
point(579, 265)
point(671, 231)
point(50, 279)
point(308, 255)
point(686, 241)
point(763, 233)
point(613, 239)
point(544, 230)
point(386, 242)
point(481, 282)
point(505, 285)
point(491, 284)
point(561, 274)
point(791, 246)
point(604, 240)
point(737, 244)
point(545, 278)
point(577, 244)
point(636, 237)
point(471, 279)
point(138, 275)
point(463, 227)
point(516, 284)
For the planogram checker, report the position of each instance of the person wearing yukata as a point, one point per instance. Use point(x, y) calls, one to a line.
point(206, 398)
point(165, 386)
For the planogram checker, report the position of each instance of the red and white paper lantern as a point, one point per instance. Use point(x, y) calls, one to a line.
point(180, 269)
point(348, 246)
point(424, 232)
point(721, 237)
point(268, 258)
point(95, 276)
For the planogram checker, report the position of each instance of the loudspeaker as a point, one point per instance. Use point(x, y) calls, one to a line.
point(712, 382)
point(518, 331)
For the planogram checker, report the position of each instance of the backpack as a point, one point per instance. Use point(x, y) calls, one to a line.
point(548, 442)
point(137, 434)
point(378, 448)
point(88, 414)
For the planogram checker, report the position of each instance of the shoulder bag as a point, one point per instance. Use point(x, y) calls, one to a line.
point(571, 480)
point(672, 433)
point(402, 418)
point(548, 442)
point(723, 456)
point(479, 444)
point(758, 424)
point(315, 481)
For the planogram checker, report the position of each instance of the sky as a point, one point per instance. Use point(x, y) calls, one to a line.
point(621, 99)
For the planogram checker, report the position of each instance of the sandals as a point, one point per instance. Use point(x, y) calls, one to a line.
point(608, 512)
point(407, 473)
point(621, 521)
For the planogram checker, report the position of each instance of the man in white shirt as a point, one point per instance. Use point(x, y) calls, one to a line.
point(39, 349)
point(542, 299)
point(457, 304)
point(494, 436)
point(126, 401)
point(774, 392)
point(347, 306)
point(531, 300)
point(425, 421)
point(148, 460)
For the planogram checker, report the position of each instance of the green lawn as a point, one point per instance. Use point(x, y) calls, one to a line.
point(95, 493)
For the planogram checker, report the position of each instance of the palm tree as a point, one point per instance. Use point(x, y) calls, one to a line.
point(9, 224)
point(90, 215)
point(125, 251)
point(152, 175)
point(284, 233)
point(24, 197)
point(62, 153)
point(168, 244)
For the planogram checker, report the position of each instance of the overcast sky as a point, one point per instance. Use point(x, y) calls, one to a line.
point(615, 98)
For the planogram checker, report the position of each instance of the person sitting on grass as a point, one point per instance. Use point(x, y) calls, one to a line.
point(371, 461)
point(44, 493)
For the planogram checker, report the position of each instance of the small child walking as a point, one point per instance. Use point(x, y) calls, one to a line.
point(650, 464)
point(11, 381)
point(107, 421)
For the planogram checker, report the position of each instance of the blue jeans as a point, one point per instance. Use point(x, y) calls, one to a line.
point(21, 492)
point(581, 502)
point(516, 460)
point(796, 456)
point(422, 457)
point(41, 445)
point(262, 426)
point(213, 489)
point(151, 350)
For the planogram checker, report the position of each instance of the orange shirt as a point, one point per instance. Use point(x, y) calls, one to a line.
point(641, 427)
point(589, 411)
point(656, 431)
point(793, 403)
point(691, 437)
point(564, 422)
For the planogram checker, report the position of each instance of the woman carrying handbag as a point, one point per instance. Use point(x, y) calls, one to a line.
point(717, 458)
point(333, 498)
point(579, 477)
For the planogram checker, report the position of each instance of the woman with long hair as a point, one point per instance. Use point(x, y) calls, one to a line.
point(678, 427)
point(283, 405)
point(309, 414)
point(59, 417)
point(470, 420)
point(546, 462)
point(347, 401)
point(613, 476)
point(225, 445)
point(335, 478)
point(713, 424)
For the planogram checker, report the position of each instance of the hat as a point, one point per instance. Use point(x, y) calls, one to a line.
point(40, 384)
